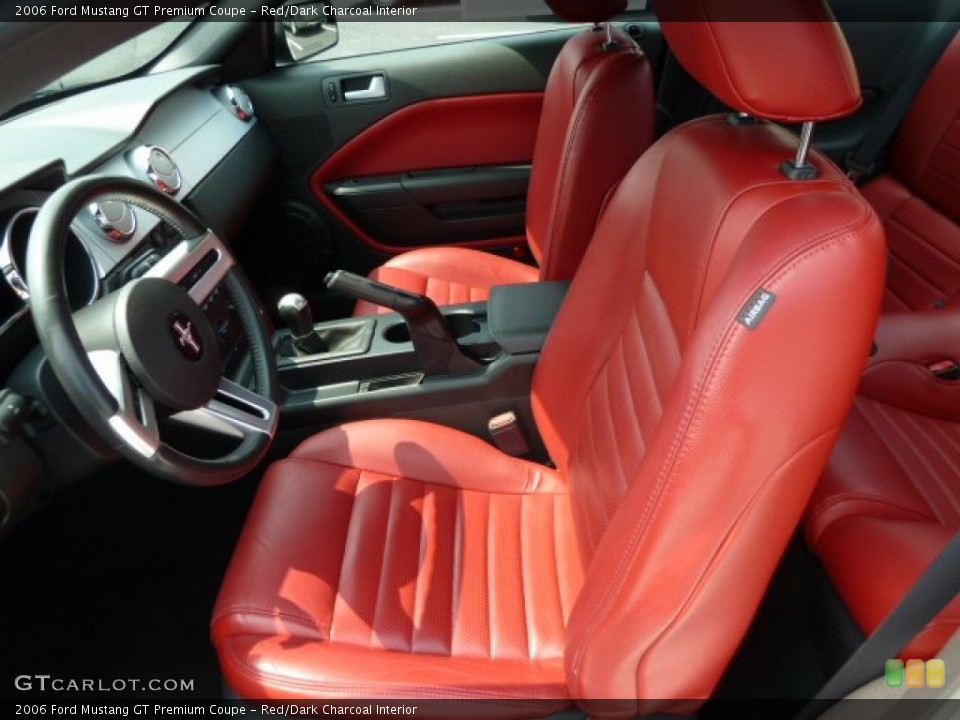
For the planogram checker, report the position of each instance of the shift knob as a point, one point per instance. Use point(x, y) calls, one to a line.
point(295, 312)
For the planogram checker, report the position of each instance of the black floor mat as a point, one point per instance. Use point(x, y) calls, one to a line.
point(116, 578)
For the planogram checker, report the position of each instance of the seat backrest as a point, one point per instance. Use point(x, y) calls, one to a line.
point(598, 117)
point(926, 151)
point(702, 364)
point(918, 199)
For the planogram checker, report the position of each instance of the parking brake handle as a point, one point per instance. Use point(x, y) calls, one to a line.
point(434, 344)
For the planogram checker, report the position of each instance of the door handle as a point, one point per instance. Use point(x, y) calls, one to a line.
point(376, 90)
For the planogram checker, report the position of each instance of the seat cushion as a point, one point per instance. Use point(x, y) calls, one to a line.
point(461, 572)
point(449, 276)
point(888, 503)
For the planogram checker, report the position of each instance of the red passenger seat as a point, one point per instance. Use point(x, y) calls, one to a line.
point(598, 117)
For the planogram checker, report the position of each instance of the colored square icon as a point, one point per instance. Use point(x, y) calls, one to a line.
point(893, 672)
point(936, 673)
point(915, 674)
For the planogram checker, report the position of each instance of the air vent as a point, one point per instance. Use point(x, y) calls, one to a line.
point(116, 219)
point(159, 167)
point(239, 102)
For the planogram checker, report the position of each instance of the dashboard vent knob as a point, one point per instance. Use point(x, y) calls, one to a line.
point(159, 168)
point(116, 219)
point(239, 102)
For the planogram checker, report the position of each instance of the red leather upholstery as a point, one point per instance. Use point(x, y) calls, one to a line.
point(446, 132)
point(595, 11)
point(755, 67)
point(919, 198)
point(405, 560)
point(888, 503)
point(449, 276)
point(598, 116)
point(686, 447)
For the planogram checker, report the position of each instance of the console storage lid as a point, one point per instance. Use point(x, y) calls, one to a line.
point(520, 316)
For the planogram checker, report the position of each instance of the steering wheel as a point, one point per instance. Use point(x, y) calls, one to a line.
point(148, 350)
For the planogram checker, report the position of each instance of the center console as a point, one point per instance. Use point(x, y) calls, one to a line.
point(460, 366)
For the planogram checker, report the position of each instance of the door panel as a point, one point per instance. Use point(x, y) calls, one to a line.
point(471, 108)
point(478, 149)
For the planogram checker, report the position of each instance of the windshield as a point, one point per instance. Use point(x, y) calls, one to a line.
point(119, 61)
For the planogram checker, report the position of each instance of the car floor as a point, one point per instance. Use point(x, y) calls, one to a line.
point(115, 577)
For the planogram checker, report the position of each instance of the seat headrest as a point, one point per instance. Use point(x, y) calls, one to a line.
point(791, 63)
point(579, 11)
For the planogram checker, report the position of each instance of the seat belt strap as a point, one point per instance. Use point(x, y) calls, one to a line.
point(936, 588)
point(862, 161)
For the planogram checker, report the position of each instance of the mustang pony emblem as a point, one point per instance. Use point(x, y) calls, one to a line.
point(186, 338)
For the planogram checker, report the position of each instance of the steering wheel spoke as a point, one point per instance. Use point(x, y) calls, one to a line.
point(135, 420)
point(199, 265)
point(235, 412)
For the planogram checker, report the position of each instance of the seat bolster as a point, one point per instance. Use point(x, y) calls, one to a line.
point(449, 275)
point(318, 669)
point(454, 459)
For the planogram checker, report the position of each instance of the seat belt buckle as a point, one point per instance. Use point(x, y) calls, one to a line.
point(857, 170)
point(507, 434)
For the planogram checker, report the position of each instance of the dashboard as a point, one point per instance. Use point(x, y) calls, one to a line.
point(188, 135)
point(175, 130)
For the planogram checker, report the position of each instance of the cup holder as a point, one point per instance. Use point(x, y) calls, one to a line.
point(461, 325)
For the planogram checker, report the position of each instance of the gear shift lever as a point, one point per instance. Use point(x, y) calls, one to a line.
point(295, 312)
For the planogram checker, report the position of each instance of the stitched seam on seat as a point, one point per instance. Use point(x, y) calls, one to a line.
point(915, 272)
point(392, 519)
point(594, 459)
point(631, 397)
point(488, 584)
point(911, 447)
point(705, 264)
point(940, 480)
point(421, 552)
point(556, 561)
point(346, 541)
point(859, 497)
point(524, 592)
point(456, 572)
point(926, 241)
point(657, 393)
point(307, 621)
point(945, 177)
point(614, 445)
point(717, 354)
point(330, 463)
point(832, 503)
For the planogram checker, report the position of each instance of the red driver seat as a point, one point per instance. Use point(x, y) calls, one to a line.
point(598, 115)
point(689, 394)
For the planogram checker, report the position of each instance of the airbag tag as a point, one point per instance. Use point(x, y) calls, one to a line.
point(757, 308)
